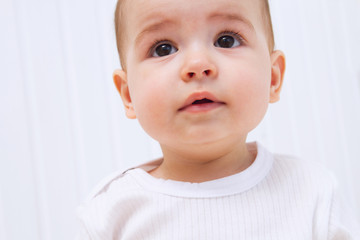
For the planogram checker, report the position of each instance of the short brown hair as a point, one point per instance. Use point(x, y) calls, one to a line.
point(119, 26)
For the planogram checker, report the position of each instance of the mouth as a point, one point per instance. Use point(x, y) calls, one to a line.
point(201, 102)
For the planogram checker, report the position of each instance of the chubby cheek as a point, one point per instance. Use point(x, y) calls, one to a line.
point(151, 100)
point(252, 88)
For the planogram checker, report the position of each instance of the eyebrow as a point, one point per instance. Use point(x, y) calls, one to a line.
point(153, 27)
point(165, 22)
point(232, 17)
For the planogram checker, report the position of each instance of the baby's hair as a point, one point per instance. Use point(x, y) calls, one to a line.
point(268, 24)
point(120, 25)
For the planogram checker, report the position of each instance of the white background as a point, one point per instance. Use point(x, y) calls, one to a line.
point(62, 126)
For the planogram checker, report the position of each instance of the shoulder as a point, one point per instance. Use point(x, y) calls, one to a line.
point(287, 167)
point(318, 188)
point(103, 185)
point(118, 186)
point(309, 180)
point(120, 180)
point(303, 169)
point(116, 193)
point(108, 191)
point(119, 192)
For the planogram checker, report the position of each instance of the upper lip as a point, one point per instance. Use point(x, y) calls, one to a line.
point(196, 96)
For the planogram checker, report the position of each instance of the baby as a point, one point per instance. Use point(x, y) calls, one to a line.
point(199, 75)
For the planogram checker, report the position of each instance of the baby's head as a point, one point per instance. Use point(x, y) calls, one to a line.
point(120, 26)
point(197, 71)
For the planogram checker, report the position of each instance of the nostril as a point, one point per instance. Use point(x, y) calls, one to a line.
point(198, 74)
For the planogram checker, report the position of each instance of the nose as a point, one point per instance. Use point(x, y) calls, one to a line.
point(197, 66)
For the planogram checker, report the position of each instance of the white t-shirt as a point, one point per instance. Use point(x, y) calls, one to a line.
point(276, 198)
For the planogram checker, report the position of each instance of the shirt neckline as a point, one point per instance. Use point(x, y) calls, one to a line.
point(230, 185)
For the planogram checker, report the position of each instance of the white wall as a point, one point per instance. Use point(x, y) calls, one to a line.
point(62, 127)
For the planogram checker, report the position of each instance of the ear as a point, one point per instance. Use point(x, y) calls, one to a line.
point(277, 74)
point(120, 80)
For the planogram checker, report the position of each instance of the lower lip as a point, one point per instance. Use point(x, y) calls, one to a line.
point(204, 107)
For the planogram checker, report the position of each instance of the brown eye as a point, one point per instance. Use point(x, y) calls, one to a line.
point(164, 50)
point(227, 41)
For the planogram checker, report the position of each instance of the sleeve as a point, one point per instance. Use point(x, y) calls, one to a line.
point(342, 223)
point(87, 213)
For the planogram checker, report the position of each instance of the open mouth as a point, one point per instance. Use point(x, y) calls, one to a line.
point(201, 105)
point(202, 101)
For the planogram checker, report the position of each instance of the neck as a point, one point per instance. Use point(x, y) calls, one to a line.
point(204, 163)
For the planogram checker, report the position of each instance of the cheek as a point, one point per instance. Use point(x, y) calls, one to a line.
point(147, 103)
point(152, 86)
point(251, 90)
point(146, 98)
point(252, 84)
point(150, 96)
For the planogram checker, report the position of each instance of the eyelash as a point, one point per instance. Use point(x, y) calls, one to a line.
point(234, 34)
point(158, 42)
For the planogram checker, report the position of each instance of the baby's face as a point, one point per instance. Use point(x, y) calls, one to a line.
point(197, 71)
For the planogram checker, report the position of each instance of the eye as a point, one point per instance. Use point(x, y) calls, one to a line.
point(228, 40)
point(163, 49)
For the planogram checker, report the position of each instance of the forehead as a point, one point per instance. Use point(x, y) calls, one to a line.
point(139, 13)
